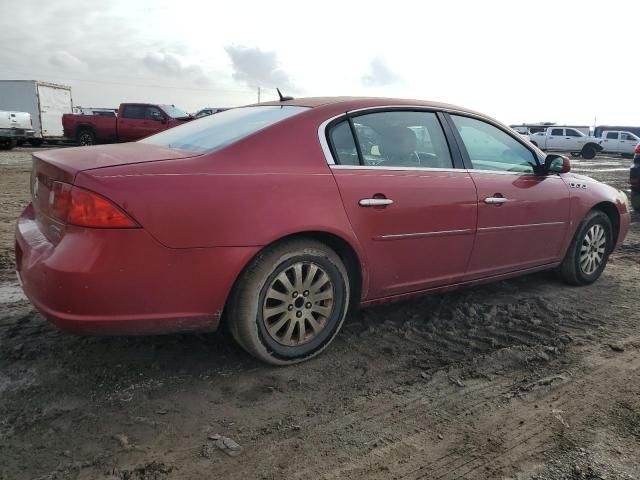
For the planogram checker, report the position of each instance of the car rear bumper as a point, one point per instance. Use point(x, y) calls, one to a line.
point(122, 281)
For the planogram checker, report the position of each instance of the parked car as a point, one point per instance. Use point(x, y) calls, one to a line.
point(597, 131)
point(619, 142)
point(634, 179)
point(277, 219)
point(560, 139)
point(45, 102)
point(15, 129)
point(133, 122)
point(209, 111)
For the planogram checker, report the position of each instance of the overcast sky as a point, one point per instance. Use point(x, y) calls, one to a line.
point(519, 61)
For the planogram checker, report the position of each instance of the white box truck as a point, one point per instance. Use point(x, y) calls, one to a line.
point(46, 102)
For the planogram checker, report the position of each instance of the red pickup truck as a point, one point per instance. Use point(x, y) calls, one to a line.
point(133, 122)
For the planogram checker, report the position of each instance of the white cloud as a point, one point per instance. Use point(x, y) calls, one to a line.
point(379, 75)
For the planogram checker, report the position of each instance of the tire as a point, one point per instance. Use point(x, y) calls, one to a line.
point(299, 326)
point(594, 234)
point(86, 138)
point(635, 201)
point(588, 152)
point(7, 143)
point(36, 142)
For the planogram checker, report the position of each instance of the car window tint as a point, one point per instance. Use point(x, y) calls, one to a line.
point(626, 136)
point(134, 111)
point(217, 131)
point(612, 135)
point(572, 133)
point(153, 113)
point(402, 139)
point(490, 148)
point(344, 146)
point(556, 131)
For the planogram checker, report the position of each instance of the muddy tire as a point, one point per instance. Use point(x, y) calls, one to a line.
point(7, 143)
point(588, 152)
point(635, 201)
point(589, 251)
point(86, 138)
point(290, 302)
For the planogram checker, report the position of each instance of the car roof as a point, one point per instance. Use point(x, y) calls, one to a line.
point(354, 103)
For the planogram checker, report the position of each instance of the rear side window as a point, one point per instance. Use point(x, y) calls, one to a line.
point(409, 139)
point(612, 135)
point(344, 146)
point(134, 111)
point(217, 131)
point(492, 149)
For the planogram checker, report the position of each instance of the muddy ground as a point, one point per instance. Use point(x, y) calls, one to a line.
point(522, 379)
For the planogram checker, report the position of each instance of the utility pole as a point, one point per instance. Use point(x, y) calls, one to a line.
point(258, 94)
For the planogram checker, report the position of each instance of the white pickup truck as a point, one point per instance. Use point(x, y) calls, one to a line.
point(15, 128)
point(618, 141)
point(566, 139)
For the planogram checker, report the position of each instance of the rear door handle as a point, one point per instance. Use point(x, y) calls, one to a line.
point(495, 200)
point(375, 202)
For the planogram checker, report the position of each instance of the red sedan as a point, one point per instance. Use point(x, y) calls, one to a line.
point(277, 218)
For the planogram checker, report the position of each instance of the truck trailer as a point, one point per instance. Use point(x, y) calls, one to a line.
point(46, 102)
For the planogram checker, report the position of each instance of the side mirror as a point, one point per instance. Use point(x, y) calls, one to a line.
point(557, 164)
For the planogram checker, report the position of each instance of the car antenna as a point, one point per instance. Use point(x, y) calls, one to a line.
point(283, 98)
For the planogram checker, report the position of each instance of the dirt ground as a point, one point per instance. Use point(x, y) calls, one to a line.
point(521, 379)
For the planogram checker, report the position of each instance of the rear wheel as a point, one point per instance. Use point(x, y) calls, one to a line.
point(86, 138)
point(588, 152)
point(589, 251)
point(290, 302)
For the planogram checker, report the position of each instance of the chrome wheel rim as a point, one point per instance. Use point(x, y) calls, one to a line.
point(298, 304)
point(593, 249)
point(85, 139)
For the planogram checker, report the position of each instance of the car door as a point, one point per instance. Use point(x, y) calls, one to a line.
point(555, 139)
point(412, 211)
point(574, 140)
point(131, 124)
point(610, 142)
point(155, 121)
point(628, 143)
point(523, 217)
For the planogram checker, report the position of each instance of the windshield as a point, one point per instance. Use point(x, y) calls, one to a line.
point(174, 112)
point(217, 131)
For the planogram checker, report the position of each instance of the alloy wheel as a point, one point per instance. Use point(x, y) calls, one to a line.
point(298, 304)
point(592, 250)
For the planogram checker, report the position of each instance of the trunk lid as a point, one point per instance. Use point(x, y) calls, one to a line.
point(62, 165)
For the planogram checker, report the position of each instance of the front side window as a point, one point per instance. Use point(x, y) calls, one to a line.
point(174, 112)
point(409, 139)
point(217, 131)
point(627, 136)
point(492, 149)
point(556, 131)
point(612, 135)
point(572, 133)
point(153, 113)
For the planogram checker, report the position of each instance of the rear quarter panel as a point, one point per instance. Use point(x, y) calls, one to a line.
point(270, 185)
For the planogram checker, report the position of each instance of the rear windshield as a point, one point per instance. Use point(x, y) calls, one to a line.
point(217, 131)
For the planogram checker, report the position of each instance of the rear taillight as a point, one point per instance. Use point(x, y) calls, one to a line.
point(637, 150)
point(77, 206)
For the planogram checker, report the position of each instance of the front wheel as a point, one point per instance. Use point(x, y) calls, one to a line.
point(290, 302)
point(589, 250)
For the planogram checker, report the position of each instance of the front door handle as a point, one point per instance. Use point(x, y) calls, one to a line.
point(375, 202)
point(495, 200)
